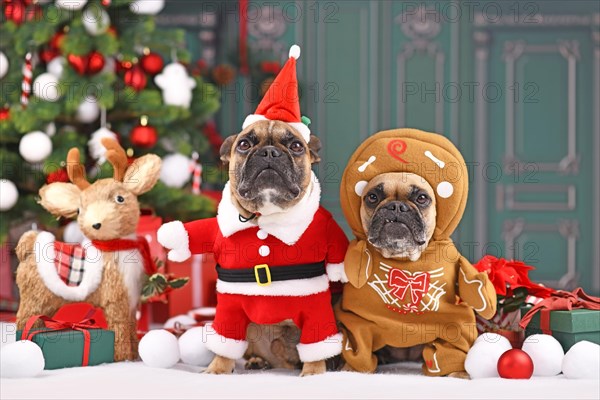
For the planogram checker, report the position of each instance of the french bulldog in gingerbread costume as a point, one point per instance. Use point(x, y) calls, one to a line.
point(403, 193)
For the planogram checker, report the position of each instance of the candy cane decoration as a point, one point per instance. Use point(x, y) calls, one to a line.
point(27, 79)
point(196, 169)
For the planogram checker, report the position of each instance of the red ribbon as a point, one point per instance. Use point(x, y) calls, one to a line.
point(244, 69)
point(56, 325)
point(560, 301)
point(139, 244)
point(418, 284)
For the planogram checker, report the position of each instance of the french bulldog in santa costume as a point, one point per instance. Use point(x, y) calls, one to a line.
point(403, 193)
point(276, 248)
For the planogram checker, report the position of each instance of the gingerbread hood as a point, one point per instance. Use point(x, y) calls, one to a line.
point(429, 155)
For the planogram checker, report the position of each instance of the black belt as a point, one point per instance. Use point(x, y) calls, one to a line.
point(264, 274)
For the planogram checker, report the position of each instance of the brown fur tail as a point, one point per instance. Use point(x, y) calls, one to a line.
point(25, 245)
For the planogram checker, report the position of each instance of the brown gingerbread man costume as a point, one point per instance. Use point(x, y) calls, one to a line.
point(399, 302)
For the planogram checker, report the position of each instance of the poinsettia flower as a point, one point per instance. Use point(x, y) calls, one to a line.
point(509, 275)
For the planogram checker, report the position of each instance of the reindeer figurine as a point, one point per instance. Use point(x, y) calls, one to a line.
point(107, 268)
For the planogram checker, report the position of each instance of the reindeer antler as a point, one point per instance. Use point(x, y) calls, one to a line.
point(116, 156)
point(75, 170)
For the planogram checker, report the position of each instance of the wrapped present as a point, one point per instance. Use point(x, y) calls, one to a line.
point(70, 344)
point(570, 317)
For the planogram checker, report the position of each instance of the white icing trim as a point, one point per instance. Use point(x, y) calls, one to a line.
point(479, 289)
point(331, 346)
point(287, 226)
point(224, 346)
point(292, 287)
point(173, 235)
point(436, 160)
point(94, 264)
point(299, 126)
point(364, 166)
point(437, 367)
point(336, 272)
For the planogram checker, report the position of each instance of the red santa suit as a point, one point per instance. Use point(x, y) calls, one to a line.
point(304, 235)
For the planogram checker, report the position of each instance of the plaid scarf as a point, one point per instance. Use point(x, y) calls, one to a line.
point(69, 259)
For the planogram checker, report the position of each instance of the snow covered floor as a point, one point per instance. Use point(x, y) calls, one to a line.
point(135, 380)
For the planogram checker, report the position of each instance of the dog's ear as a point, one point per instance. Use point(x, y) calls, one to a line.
point(314, 145)
point(225, 151)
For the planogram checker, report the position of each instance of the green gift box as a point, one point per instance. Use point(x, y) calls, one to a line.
point(64, 348)
point(568, 327)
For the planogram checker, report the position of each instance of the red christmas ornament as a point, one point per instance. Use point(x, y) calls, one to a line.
point(152, 63)
point(79, 63)
point(135, 78)
point(59, 175)
point(15, 11)
point(4, 113)
point(56, 41)
point(95, 63)
point(48, 54)
point(112, 31)
point(515, 364)
point(144, 135)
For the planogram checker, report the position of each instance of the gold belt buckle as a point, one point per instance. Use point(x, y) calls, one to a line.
point(267, 270)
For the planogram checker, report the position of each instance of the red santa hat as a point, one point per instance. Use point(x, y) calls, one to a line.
point(281, 102)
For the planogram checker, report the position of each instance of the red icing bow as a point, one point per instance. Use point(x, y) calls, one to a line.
point(418, 284)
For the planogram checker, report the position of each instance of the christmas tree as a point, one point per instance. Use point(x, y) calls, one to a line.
point(72, 72)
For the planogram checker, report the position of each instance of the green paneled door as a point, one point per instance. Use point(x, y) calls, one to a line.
point(535, 130)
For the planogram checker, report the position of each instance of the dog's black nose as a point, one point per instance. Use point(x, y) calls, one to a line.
point(269, 152)
point(97, 225)
point(397, 205)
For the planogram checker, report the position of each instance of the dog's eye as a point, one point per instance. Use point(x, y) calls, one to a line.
point(296, 147)
point(119, 199)
point(422, 199)
point(244, 145)
point(372, 198)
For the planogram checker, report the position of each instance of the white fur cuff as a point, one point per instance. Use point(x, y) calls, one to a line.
point(223, 346)
point(336, 272)
point(332, 346)
point(173, 235)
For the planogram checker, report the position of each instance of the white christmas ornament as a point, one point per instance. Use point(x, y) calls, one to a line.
point(159, 349)
point(8, 195)
point(97, 150)
point(22, 359)
point(482, 358)
point(72, 233)
point(95, 20)
point(192, 348)
point(582, 361)
point(88, 111)
point(175, 170)
point(35, 146)
point(45, 86)
point(147, 7)
point(546, 353)
point(176, 85)
point(56, 66)
point(71, 4)
point(109, 65)
point(3, 65)
point(51, 129)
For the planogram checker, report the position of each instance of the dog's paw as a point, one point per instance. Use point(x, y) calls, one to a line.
point(459, 375)
point(220, 366)
point(313, 368)
point(256, 363)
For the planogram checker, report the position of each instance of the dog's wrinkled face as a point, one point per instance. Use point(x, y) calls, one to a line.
point(269, 166)
point(398, 214)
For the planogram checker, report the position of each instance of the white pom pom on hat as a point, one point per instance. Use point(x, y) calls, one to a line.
point(295, 51)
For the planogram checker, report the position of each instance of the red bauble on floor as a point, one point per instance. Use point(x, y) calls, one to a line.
point(515, 364)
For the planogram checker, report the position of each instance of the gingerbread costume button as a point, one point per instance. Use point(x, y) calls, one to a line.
point(262, 235)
